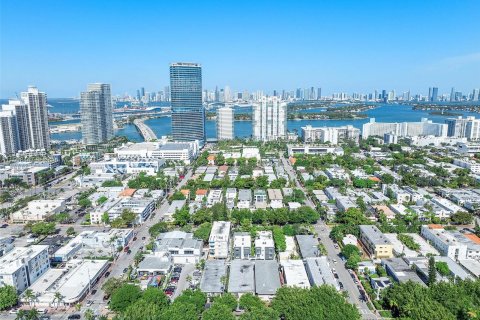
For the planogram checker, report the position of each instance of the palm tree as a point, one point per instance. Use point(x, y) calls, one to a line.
point(78, 306)
point(102, 317)
point(57, 297)
point(32, 314)
point(21, 314)
point(29, 296)
point(89, 315)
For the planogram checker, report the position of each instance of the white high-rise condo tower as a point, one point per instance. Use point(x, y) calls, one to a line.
point(96, 112)
point(269, 119)
point(38, 131)
point(225, 123)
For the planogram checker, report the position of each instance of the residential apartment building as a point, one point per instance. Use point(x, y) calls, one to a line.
point(219, 240)
point(242, 245)
point(97, 113)
point(445, 242)
point(225, 123)
point(264, 246)
point(333, 135)
point(22, 266)
point(269, 120)
point(375, 242)
point(404, 129)
point(182, 247)
point(24, 123)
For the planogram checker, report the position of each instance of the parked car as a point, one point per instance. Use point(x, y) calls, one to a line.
point(4, 225)
point(74, 316)
point(174, 279)
point(107, 274)
point(341, 285)
point(94, 291)
point(143, 238)
point(335, 275)
point(177, 269)
point(129, 251)
point(134, 238)
point(126, 249)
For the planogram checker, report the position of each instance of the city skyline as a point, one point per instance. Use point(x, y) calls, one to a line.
point(326, 45)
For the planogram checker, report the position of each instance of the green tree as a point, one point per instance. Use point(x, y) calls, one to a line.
point(112, 183)
point(279, 239)
point(8, 297)
point(177, 196)
point(349, 250)
point(43, 228)
point(442, 268)
point(157, 228)
point(180, 311)
point(195, 297)
point(124, 296)
point(316, 303)
point(70, 231)
point(203, 231)
point(89, 314)
point(181, 217)
point(129, 216)
point(217, 312)
point(156, 297)
point(111, 285)
point(387, 178)
point(461, 217)
point(432, 271)
point(85, 203)
point(105, 218)
point(250, 301)
point(226, 299)
point(261, 313)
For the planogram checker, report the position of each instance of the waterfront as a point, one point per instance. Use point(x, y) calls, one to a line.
point(384, 113)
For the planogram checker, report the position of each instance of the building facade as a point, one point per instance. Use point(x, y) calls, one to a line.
point(22, 266)
point(188, 113)
point(38, 131)
point(96, 113)
point(269, 119)
point(24, 123)
point(334, 135)
point(404, 129)
point(225, 127)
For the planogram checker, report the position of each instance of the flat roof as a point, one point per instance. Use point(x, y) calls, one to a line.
point(319, 272)
point(399, 247)
point(70, 282)
point(275, 194)
point(152, 262)
point(374, 234)
point(10, 262)
point(308, 245)
point(244, 195)
point(472, 266)
point(267, 278)
point(295, 274)
point(212, 276)
point(242, 276)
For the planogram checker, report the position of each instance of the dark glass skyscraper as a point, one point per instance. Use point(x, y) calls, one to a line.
point(188, 114)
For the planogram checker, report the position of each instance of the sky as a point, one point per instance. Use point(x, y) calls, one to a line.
point(340, 46)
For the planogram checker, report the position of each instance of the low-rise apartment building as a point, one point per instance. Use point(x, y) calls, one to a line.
point(375, 242)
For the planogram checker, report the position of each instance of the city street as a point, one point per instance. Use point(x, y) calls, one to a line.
point(333, 254)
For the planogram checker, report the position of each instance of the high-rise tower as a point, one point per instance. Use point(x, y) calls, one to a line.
point(188, 114)
point(96, 112)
